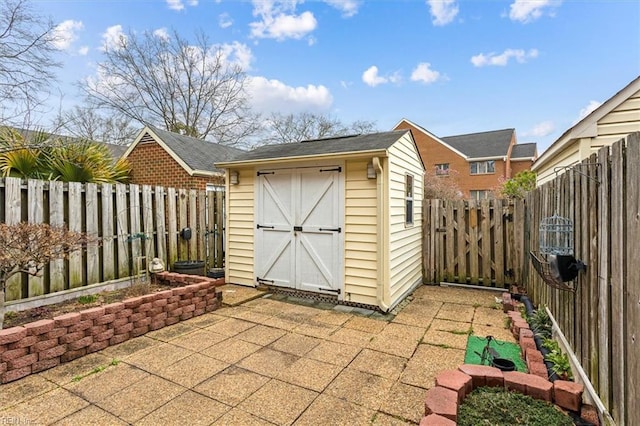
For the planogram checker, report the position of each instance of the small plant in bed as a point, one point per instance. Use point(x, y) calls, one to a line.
point(496, 406)
point(88, 298)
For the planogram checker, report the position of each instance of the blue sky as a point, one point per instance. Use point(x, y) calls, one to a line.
point(452, 66)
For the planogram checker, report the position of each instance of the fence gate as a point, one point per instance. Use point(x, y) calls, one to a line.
point(471, 242)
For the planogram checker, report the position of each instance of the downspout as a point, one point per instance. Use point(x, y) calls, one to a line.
point(382, 240)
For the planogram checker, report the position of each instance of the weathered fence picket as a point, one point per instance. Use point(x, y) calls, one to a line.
point(130, 224)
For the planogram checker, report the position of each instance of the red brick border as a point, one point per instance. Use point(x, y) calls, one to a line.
point(40, 345)
point(454, 385)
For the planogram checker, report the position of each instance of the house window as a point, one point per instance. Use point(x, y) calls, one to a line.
point(481, 194)
point(482, 167)
point(442, 169)
point(408, 200)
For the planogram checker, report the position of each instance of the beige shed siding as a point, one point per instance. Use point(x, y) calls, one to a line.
point(360, 281)
point(405, 242)
point(240, 234)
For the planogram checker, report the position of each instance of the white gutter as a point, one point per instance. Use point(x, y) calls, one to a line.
point(382, 282)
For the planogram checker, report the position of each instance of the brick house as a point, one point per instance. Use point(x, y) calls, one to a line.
point(159, 157)
point(481, 160)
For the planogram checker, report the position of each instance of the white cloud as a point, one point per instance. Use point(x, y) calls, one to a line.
point(179, 5)
point(175, 4)
point(591, 106)
point(113, 38)
point(424, 74)
point(162, 33)
point(520, 55)
point(83, 51)
point(238, 54)
point(542, 129)
point(443, 12)
point(371, 77)
point(526, 11)
point(65, 33)
point(274, 96)
point(279, 21)
point(224, 20)
point(348, 7)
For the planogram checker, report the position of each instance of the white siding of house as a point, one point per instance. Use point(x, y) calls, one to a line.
point(612, 127)
point(624, 119)
point(405, 241)
point(240, 229)
point(569, 156)
point(361, 241)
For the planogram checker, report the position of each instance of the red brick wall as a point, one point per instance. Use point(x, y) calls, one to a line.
point(44, 344)
point(152, 165)
point(433, 152)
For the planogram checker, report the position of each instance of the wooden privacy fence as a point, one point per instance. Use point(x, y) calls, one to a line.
point(470, 242)
point(601, 320)
point(489, 243)
point(132, 223)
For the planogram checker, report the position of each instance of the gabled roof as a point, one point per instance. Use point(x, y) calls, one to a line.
point(116, 150)
point(374, 142)
point(524, 151)
point(588, 126)
point(489, 144)
point(196, 156)
point(431, 135)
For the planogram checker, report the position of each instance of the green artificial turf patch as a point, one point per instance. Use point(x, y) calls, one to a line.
point(506, 350)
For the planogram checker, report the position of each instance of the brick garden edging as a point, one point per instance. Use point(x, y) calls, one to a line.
point(452, 386)
point(44, 344)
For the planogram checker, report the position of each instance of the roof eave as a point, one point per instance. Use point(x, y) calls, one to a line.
point(164, 146)
point(342, 155)
point(497, 157)
point(434, 137)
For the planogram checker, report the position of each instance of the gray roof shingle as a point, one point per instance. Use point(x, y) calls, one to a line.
point(198, 154)
point(524, 150)
point(335, 145)
point(484, 144)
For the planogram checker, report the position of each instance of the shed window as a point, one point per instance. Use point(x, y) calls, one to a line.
point(408, 197)
point(482, 167)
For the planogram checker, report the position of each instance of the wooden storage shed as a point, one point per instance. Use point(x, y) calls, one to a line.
point(339, 216)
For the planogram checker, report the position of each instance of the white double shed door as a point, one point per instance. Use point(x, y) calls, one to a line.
point(299, 234)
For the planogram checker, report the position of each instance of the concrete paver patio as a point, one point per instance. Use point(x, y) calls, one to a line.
point(266, 361)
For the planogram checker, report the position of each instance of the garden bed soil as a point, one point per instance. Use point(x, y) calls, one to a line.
point(13, 319)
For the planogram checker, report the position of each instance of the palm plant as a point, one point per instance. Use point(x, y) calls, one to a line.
point(37, 156)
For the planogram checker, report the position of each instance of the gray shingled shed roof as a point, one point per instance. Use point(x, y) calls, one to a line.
point(524, 150)
point(482, 145)
point(197, 153)
point(336, 145)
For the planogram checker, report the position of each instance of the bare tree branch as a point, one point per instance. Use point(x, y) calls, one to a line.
point(306, 126)
point(27, 67)
point(189, 88)
point(85, 122)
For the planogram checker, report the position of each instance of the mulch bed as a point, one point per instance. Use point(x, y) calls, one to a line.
point(13, 319)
